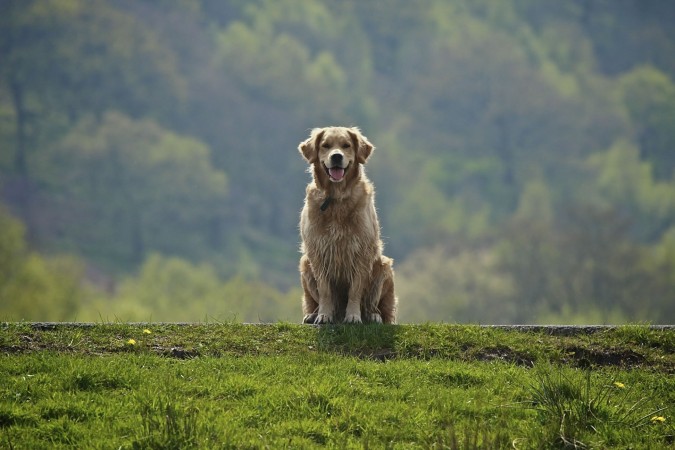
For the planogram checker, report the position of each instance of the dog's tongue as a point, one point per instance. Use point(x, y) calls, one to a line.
point(336, 173)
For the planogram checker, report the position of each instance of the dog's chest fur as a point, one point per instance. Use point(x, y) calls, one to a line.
point(343, 239)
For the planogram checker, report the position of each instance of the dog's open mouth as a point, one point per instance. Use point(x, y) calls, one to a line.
point(336, 173)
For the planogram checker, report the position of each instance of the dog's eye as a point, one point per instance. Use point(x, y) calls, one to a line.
point(346, 145)
point(325, 145)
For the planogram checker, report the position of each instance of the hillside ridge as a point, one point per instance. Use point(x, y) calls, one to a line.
point(626, 346)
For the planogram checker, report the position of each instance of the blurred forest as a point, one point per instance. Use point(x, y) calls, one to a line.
point(525, 162)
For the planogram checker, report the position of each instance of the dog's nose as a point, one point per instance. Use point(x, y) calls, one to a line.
point(336, 158)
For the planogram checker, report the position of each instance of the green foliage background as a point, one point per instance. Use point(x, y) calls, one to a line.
point(525, 162)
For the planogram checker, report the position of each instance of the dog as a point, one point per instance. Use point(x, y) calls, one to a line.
point(344, 275)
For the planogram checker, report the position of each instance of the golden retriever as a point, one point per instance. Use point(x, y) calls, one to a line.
point(343, 273)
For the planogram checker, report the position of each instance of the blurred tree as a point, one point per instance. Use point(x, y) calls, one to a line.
point(454, 286)
point(661, 265)
point(280, 68)
point(483, 96)
point(622, 33)
point(649, 96)
point(57, 61)
point(581, 262)
point(585, 264)
point(132, 187)
point(623, 182)
point(601, 266)
point(7, 132)
point(483, 119)
point(387, 26)
point(12, 246)
point(536, 203)
point(222, 13)
point(529, 254)
point(172, 289)
point(33, 287)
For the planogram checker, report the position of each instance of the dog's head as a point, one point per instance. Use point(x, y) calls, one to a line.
point(336, 152)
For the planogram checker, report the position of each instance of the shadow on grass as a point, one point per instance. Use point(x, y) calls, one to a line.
point(372, 341)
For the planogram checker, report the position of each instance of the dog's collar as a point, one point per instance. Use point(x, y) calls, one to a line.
point(326, 203)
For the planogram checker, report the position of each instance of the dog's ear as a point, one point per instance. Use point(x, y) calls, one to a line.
point(362, 145)
point(308, 147)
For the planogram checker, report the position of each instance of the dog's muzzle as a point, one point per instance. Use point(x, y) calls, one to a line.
point(336, 172)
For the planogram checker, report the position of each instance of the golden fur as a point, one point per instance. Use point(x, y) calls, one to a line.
point(343, 273)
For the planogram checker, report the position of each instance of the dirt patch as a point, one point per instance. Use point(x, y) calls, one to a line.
point(503, 353)
point(179, 353)
point(381, 355)
point(584, 357)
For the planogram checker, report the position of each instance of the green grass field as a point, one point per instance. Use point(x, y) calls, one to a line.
point(291, 386)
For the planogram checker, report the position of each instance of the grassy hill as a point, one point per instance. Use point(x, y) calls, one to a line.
point(291, 386)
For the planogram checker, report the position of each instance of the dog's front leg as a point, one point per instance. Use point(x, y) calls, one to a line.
point(326, 310)
point(353, 313)
point(310, 297)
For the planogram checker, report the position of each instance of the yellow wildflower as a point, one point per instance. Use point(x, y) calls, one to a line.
point(146, 331)
point(658, 419)
point(619, 385)
point(131, 342)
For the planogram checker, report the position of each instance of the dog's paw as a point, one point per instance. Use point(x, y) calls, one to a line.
point(374, 318)
point(322, 318)
point(309, 318)
point(353, 318)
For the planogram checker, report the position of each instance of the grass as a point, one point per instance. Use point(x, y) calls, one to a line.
point(574, 405)
point(290, 386)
